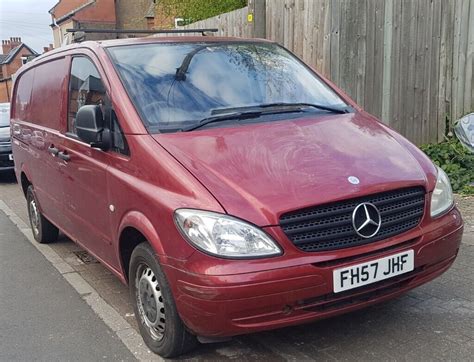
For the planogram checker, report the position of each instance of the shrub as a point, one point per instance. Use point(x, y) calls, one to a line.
point(195, 10)
point(456, 161)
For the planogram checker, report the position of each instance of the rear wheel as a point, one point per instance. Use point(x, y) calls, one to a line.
point(43, 231)
point(160, 325)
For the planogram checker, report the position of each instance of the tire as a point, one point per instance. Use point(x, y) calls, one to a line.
point(43, 231)
point(161, 327)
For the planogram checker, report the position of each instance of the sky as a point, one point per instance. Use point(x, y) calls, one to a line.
point(28, 19)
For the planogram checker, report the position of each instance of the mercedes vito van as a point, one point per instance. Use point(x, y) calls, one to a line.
point(232, 187)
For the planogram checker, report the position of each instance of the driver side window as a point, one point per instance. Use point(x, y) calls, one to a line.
point(85, 88)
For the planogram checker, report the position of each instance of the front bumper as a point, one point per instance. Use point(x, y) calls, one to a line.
point(231, 298)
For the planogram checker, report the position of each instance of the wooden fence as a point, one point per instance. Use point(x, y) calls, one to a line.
point(408, 62)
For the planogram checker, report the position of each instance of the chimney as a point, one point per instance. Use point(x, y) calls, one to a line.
point(15, 41)
point(6, 46)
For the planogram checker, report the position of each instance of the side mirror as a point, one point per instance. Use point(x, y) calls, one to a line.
point(91, 129)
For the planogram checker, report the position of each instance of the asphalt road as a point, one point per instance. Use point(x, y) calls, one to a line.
point(41, 316)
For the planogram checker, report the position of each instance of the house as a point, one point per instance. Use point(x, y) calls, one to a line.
point(15, 53)
point(101, 14)
point(84, 14)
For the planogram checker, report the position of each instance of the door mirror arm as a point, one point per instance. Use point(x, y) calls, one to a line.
point(104, 142)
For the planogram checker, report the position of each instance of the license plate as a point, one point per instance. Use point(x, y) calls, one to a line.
point(10, 157)
point(358, 275)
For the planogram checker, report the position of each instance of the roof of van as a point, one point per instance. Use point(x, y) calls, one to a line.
point(144, 40)
point(175, 39)
point(150, 40)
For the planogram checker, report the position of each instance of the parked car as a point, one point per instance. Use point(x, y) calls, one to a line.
point(6, 156)
point(232, 187)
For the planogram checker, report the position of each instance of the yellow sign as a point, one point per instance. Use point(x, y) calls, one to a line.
point(250, 17)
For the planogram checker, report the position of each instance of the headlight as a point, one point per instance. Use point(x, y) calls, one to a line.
point(224, 235)
point(442, 197)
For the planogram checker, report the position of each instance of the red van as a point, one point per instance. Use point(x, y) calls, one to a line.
point(231, 186)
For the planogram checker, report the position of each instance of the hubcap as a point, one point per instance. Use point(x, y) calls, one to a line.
point(34, 217)
point(150, 302)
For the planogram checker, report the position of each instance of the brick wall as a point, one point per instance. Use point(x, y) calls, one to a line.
point(64, 7)
point(98, 36)
point(5, 90)
point(131, 13)
point(102, 11)
point(164, 17)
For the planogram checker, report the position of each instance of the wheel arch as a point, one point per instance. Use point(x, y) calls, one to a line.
point(134, 229)
point(24, 180)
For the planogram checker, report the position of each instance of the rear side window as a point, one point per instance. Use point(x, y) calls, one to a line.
point(47, 95)
point(24, 85)
point(39, 94)
point(85, 88)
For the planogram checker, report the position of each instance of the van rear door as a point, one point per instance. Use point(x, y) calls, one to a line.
point(39, 106)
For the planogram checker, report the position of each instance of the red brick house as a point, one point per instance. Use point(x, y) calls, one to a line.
point(84, 14)
point(14, 55)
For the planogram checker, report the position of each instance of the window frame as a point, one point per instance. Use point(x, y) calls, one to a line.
point(155, 130)
point(108, 104)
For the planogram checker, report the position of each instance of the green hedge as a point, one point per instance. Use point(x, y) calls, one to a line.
point(456, 161)
point(195, 10)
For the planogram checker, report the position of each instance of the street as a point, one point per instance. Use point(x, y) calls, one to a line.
point(44, 315)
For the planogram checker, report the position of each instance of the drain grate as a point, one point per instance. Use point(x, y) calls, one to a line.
point(85, 257)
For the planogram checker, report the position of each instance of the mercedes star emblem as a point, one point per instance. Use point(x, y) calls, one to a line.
point(353, 180)
point(366, 220)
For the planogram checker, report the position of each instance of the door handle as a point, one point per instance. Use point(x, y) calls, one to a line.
point(64, 156)
point(53, 150)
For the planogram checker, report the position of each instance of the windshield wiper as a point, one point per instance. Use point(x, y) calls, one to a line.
point(284, 105)
point(332, 109)
point(252, 113)
point(183, 68)
point(221, 118)
point(226, 114)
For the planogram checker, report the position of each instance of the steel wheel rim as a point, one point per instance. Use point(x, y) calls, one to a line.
point(34, 217)
point(151, 308)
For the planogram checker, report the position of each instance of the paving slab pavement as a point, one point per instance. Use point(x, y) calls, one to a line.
point(41, 315)
point(433, 322)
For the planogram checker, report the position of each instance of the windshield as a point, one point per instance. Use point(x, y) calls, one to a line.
point(174, 86)
point(4, 116)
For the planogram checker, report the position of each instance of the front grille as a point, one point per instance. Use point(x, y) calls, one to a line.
point(329, 226)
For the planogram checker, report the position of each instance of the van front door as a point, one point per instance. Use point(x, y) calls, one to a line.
point(85, 168)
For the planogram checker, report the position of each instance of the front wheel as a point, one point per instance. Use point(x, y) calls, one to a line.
point(160, 325)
